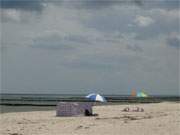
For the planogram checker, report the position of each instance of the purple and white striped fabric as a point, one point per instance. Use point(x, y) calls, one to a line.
point(73, 108)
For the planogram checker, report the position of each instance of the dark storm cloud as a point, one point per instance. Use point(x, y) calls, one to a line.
point(27, 5)
point(68, 45)
point(37, 5)
point(163, 4)
point(99, 4)
point(95, 4)
point(106, 3)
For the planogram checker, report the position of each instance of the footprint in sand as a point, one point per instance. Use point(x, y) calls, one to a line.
point(86, 127)
point(40, 128)
point(91, 125)
point(15, 134)
point(79, 127)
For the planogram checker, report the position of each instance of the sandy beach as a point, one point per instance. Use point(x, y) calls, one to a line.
point(157, 119)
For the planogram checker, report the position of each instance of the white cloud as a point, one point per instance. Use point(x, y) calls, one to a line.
point(143, 21)
point(10, 15)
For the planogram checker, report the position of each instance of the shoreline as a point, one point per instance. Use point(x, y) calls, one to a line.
point(28, 107)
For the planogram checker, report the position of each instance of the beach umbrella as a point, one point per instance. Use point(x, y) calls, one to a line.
point(96, 97)
point(142, 94)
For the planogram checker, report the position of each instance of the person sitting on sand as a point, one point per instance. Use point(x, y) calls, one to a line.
point(141, 110)
point(126, 109)
point(87, 113)
point(138, 109)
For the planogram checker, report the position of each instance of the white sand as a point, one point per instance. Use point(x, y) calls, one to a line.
point(157, 119)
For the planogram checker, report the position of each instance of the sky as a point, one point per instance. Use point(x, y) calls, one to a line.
point(83, 46)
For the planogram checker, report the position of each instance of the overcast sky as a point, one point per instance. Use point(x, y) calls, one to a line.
point(82, 46)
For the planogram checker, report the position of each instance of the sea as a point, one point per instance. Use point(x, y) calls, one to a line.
point(32, 102)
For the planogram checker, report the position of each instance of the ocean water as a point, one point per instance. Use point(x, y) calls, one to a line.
point(53, 99)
